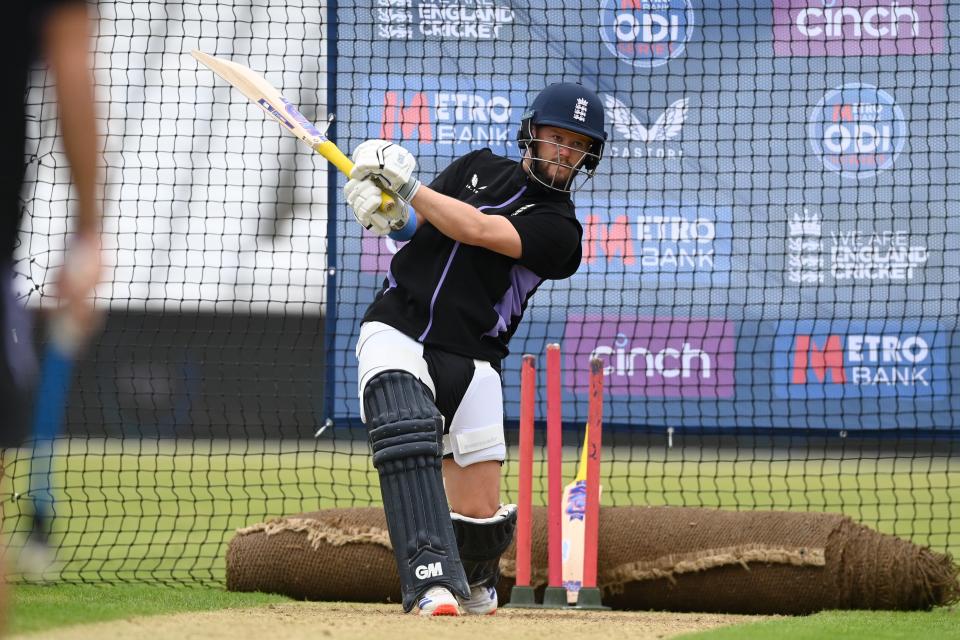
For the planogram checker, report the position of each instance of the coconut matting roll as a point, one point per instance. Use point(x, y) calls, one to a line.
point(667, 558)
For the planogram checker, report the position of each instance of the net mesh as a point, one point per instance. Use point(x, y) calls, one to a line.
point(768, 269)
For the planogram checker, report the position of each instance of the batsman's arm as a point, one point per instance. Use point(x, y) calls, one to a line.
point(66, 48)
point(467, 224)
point(66, 41)
point(393, 166)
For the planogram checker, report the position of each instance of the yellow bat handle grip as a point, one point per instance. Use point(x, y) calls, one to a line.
point(332, 153)
point(582, 468)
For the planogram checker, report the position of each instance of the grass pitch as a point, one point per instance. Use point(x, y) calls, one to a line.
point(164, 511)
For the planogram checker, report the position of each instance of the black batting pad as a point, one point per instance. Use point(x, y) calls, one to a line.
point(483, 541)
point(405, 436)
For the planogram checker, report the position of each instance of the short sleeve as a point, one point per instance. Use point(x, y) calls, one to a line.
point(550, 243)
point(452, 178)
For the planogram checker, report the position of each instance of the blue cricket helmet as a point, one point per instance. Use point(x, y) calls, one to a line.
point(570, 106)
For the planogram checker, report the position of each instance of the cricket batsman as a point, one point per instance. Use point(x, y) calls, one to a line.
point(486, 233)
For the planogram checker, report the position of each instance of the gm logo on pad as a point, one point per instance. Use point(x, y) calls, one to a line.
point(859, 358)
point(431, 570)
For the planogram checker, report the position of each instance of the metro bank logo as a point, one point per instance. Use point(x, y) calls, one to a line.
point(857, 358)
point(857, 27)
point(451, 113)
point(652, 357)
point(650, 241)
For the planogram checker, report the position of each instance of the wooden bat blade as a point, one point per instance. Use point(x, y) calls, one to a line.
point(572, 532)
point(574, 505)
point(263, 94)
point(260, 92)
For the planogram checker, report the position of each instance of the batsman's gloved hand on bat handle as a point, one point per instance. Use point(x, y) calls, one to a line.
point(389, 164)
point(365, 197)
point(382, 165)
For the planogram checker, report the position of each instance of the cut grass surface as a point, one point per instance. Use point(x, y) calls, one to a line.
point(164, 511)
point(35, 608)
point(939, 624)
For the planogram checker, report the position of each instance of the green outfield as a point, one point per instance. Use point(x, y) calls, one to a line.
point(940, 624)
point(165, 511)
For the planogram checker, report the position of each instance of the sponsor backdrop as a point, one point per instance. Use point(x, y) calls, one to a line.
point(772, 239)
point(771, 257)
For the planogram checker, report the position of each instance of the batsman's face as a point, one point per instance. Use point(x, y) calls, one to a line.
point(561, 153)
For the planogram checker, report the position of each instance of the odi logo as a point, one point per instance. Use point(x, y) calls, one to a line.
point(823, 359)
point(646, 33)
point(857, 130)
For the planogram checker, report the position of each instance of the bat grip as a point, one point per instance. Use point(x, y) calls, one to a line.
point(331, 152)
point(387, 203)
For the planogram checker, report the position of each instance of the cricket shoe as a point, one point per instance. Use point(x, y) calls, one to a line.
point(482, 601)
point(438, 601)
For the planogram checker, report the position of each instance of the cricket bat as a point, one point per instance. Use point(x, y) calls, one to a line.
point(261, 93)
point(65, 342)
point(574, 504)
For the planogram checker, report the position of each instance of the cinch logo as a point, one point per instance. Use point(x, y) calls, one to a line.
point(857, 130)
point(669, 362)
point(653, 357)
point(656, 241)
point(869, 358)
point(646, 33)
point(432, 570)
point(857, 27)
point(447, 113)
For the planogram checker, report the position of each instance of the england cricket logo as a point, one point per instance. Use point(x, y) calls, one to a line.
point(580, 111)
point(659, 140)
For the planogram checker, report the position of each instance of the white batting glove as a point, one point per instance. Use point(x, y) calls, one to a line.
point(365, 198)
point(389, 163)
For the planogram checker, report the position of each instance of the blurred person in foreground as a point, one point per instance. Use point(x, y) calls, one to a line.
point(57, 32)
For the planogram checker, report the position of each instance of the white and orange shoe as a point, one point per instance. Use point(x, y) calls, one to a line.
point(482, 601)
point(438, 601)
